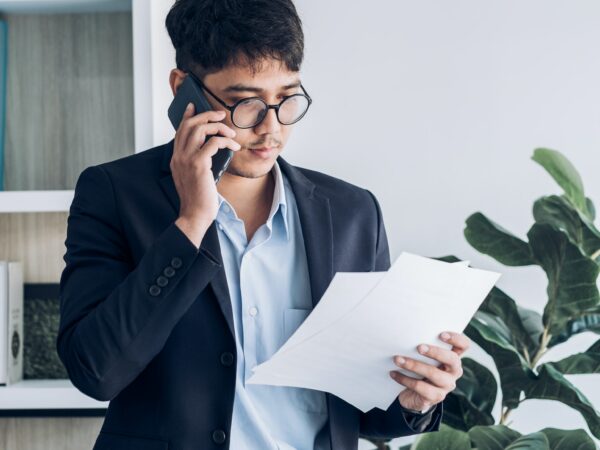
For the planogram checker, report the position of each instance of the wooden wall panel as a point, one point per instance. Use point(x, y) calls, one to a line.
point(69, 96)
point(43, 433)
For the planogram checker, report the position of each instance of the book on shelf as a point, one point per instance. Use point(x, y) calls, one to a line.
point(11, 322)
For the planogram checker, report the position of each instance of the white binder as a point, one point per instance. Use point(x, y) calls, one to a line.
point(11, 322)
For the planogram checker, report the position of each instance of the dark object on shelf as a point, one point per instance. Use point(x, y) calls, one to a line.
point(40, 326)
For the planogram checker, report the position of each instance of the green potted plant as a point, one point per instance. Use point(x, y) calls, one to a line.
point(565, 243)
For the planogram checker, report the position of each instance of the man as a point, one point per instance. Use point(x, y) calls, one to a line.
point(175, 287)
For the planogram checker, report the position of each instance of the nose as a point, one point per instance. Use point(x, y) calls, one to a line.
point(270, 124)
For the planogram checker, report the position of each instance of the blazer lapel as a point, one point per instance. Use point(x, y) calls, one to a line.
point(315, 218)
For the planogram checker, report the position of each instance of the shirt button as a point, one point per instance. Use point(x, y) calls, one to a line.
point(253, 311)
point(220, 227)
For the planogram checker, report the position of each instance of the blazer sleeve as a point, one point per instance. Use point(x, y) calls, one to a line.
point(113, 317)
point(395, 421)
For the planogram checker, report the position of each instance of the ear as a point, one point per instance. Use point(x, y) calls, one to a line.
point(176, 77)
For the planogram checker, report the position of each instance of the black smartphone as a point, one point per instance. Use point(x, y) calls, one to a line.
point(190, 91)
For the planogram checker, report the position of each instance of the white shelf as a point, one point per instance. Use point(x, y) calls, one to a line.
point(35, 201)
point(46, 394)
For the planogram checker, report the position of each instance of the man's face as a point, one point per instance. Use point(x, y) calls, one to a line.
point(272, 83)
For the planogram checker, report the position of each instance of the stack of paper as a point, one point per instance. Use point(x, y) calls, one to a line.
point(347, 344)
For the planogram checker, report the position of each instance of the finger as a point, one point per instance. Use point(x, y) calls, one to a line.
point(198, 135)
point(179, 135)
point(191, 120)
point(429, 392)
point(460, 343)
point(447, 357)
point(215, 143)
point(439, 378)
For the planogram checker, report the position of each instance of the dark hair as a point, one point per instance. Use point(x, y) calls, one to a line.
point(209, 35)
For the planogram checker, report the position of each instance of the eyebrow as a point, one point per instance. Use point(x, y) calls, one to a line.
point(244, 88)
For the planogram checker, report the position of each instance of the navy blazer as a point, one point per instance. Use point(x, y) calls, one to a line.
point(146, 319)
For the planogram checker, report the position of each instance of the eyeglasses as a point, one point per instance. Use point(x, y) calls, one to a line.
point(251, 111)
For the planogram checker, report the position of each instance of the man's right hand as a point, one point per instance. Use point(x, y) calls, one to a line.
point(191, 168)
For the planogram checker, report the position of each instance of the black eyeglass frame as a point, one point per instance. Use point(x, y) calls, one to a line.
point(231, 108)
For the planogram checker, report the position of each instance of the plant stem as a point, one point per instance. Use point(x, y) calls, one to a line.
point(596, 254)
point(543, 348)
point(504, 415)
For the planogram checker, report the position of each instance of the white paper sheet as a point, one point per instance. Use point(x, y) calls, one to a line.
point(347, 344)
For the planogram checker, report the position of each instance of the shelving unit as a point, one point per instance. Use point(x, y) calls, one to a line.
point(46, 395)
point(91, 72)
point(35, 201)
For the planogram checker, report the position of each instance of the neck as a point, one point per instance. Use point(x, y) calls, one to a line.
point(248, 196)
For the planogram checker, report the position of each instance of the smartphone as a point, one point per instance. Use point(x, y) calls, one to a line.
point(190, 91)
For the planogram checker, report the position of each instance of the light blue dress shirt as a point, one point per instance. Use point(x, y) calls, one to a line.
point(270, 293)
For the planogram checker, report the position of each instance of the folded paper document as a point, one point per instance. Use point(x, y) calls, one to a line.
point(347, 344)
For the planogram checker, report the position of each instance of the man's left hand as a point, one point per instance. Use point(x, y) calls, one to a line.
point(438, 381)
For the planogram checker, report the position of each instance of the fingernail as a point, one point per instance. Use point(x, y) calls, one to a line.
point(423, 348)
point(189, 106)
point(445, 336)
point(400, 360)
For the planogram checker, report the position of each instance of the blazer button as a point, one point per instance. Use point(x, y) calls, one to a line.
point(219, 436)
point(162, 281)
point(169, 271)
point(176, 262)
point(154, 290)
point(227, 359)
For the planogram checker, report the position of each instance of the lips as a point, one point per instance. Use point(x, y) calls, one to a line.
point(263, 152)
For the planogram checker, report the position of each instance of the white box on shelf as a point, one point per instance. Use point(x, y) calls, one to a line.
point(11, 322)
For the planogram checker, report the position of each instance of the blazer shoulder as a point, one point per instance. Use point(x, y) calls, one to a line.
point(337, 189)
point(147, 162)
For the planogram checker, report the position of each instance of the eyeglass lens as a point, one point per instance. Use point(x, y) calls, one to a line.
point(252, 111)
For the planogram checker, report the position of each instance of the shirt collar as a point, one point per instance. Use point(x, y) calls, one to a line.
point(279, 201)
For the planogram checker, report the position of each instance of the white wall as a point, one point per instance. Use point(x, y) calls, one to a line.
point(436, 107)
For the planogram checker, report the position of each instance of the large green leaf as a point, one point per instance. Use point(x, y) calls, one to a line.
point(445, 439)
point(496, 437)
point(523, 334)
point(591, 208)
point(585, 362)
point(558, 211)
point(493, 240)
point(565, 174)
point(552, 385)
point(589, 321)
point(568, 439)
point(494, 337)
point(533, 441)
point(571, 276)
point(532, 323)
point(472, 401)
